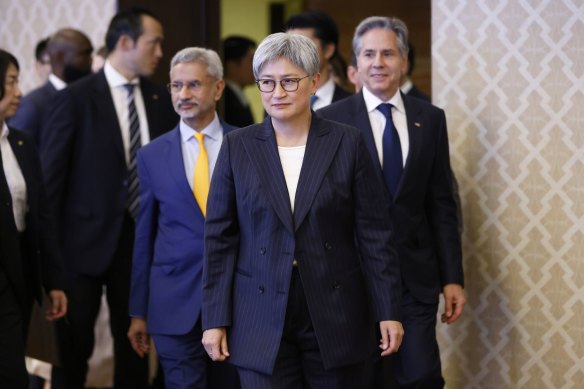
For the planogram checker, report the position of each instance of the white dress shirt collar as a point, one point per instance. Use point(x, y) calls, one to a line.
point(57, 82)
point(372, 101)
point(213, 130)
point(115, 78)
point(325, 94)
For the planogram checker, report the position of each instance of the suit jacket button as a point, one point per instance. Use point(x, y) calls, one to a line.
point(263, 251)
point(261, 289)
point(328, 246)
point(336, 285)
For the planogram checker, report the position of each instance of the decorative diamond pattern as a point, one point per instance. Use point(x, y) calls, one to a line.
point(25, 22)
point(510, 75)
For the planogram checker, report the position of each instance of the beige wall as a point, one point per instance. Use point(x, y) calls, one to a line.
point(251, 18)
point(25, 22)
point(510, 76)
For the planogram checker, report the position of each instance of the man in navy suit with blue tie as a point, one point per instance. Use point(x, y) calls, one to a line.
point(174, 171)
point(408, 138)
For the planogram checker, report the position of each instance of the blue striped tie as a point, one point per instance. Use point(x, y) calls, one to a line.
point(392, 153)
point(135, 143)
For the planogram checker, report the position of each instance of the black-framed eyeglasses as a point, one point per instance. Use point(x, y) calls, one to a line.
point(267, 85)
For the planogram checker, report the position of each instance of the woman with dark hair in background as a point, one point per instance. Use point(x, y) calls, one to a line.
point(28, 255)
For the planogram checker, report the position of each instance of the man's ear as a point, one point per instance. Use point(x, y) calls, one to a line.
point(125, 43)
point(329, 50)
point(219, 89)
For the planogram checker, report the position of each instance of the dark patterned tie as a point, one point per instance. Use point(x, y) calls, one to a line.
point(135, 142)
point(392, 153)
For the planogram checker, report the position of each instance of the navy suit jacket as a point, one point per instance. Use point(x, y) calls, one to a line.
point(418, 94)
point(423, 210)
point(167, 269)
point(85, 167)
point(339, 233)
point(40, 265)
point(34, 110)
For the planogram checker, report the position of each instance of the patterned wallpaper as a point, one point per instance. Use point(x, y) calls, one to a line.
point(510, 75)
point(25, 22)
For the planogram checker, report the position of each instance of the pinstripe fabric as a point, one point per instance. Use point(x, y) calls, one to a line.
point(135, 142)
point(339, 234)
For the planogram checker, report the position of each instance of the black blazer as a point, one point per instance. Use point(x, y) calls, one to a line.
point(85, 168)
point(423, 210)
point(339, 233)
point(236, 113)
point(36, 263)
point(340, 94)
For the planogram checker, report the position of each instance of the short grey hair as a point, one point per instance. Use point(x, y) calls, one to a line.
point(200, 55)
point(393, 24)
point(298, 49)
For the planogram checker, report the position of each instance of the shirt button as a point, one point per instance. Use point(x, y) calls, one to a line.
point(261, 290)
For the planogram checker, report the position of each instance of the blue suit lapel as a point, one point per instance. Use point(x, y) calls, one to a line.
point(263, 153)
point(176, 167)
point(321, 146)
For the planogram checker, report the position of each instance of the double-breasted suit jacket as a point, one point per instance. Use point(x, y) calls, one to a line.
point(339, 233)
point(423, 210)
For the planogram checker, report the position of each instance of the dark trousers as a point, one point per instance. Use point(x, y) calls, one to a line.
point(76, 334)
point(299, 362)
point(417, 364)
point(12, 368)
point(187, 366)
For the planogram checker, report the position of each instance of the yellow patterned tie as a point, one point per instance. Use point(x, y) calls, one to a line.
point(201, 183)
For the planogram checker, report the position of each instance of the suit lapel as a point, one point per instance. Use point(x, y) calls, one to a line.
point(321, 146)
point(263, 152)
point(104, 103)
point(151, 98)
point(174, 156)
point(361, 121)
point(415, 123)
point(20, 150)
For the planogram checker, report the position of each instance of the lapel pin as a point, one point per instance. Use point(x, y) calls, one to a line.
point(20, 143)
point(417, 124)
point(154, 97)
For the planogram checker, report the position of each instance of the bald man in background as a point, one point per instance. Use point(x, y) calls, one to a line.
point(70, 54)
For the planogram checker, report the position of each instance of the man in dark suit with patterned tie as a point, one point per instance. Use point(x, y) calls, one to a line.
point(94, 130)
point(408, 138)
